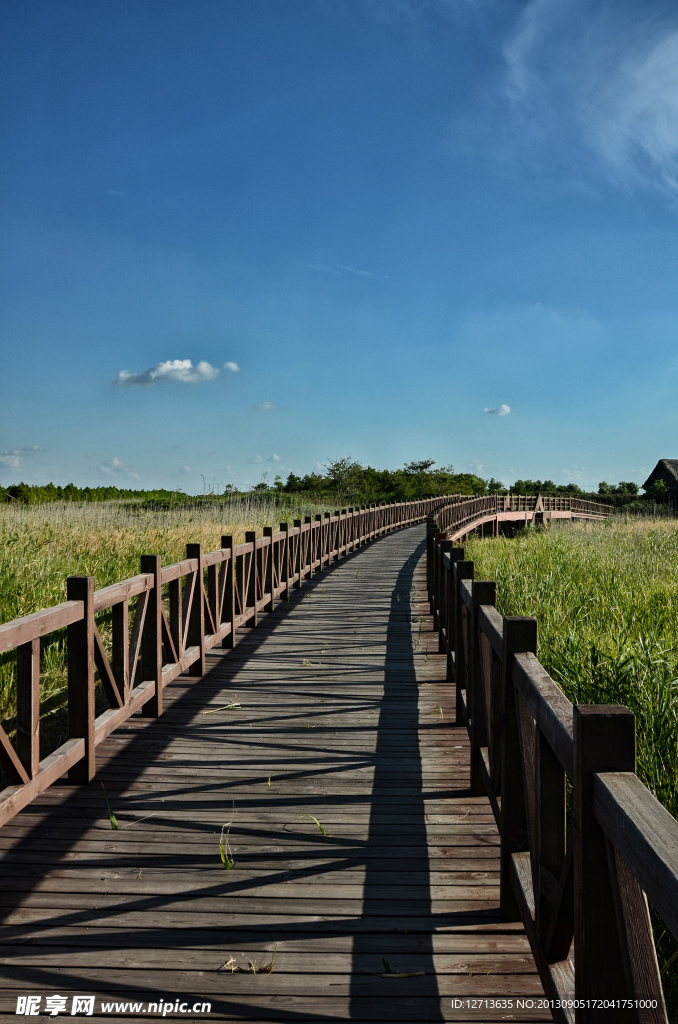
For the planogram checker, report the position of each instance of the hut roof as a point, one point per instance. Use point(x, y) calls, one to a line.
point(664, 468)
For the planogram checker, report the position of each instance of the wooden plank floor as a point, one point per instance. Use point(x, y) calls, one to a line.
point(340, 695)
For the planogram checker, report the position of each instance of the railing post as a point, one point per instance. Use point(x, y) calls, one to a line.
point(250, 591)
point(268, 582)
point(285, 560)
point(212, 595)
point(120, 645)
point(461, 571)
point(550, 833)
point(151, 637)
point(604, 741)
point(334, 528)
point(327, 540)
point(520, 637)
point(28, 705)
point(296, 568)
point(196, 619)
point(442, 616)
point(80, 655)
point(228, 608)
point(437, 561)
point(316, 544)
point(456, 555)
point(431, 530)
point(484, 592)
point(308, 548)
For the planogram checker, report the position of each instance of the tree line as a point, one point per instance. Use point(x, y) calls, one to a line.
point(342, 482)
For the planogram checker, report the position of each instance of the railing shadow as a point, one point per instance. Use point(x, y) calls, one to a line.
point(397, 746)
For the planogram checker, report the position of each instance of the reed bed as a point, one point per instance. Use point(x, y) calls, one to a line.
point(606, 599)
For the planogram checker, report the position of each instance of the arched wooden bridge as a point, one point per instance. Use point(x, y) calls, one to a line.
point(369, 879)
point(494, 514)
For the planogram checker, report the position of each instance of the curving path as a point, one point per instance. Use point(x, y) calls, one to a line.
point(339, 711)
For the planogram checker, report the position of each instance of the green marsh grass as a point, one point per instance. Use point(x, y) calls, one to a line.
point(606, 600)
point(605, 596)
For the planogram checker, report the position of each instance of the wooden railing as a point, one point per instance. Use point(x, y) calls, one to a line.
point(577, 872)
point(181, 611)
point(463, 511)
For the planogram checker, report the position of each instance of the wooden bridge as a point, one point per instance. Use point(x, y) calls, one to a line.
point(494, 514)
point(371, 879)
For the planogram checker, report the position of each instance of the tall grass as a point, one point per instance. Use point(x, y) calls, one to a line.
point(606, 599)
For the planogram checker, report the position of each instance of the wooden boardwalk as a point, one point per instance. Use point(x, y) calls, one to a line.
point(340, 712)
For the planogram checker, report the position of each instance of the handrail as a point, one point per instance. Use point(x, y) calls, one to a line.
point(581, 890)
point(208, 598)
point(462, 511)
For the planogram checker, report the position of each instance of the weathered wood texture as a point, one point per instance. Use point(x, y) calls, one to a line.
point(336, 708)
point(582, 891)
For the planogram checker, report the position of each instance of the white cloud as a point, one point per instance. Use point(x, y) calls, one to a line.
point(232, 367)
point(501, 410)
point(185, 469)
point(173, 369)
point(12, 456)
point(256, 459)
point(599, 79)
point(340, 268)
point(273, 458)
point(265, 406)
point(115, 465)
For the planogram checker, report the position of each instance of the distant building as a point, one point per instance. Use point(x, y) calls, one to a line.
point(667, 471)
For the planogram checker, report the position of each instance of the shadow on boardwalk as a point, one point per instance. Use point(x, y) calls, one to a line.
point(397, 745)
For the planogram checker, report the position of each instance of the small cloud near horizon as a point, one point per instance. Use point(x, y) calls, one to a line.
point(256, 459)
point(501, 410)
point(116, 465)
point(12, 456)
point(273, 458)
point(341, 268)
point(266, 406)
point(181, 370)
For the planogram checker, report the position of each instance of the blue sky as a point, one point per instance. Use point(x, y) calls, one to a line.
point(395, 220)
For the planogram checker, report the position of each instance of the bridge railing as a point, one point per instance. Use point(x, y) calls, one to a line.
point(461, 510)
point(156, 626)
point(577, 870)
